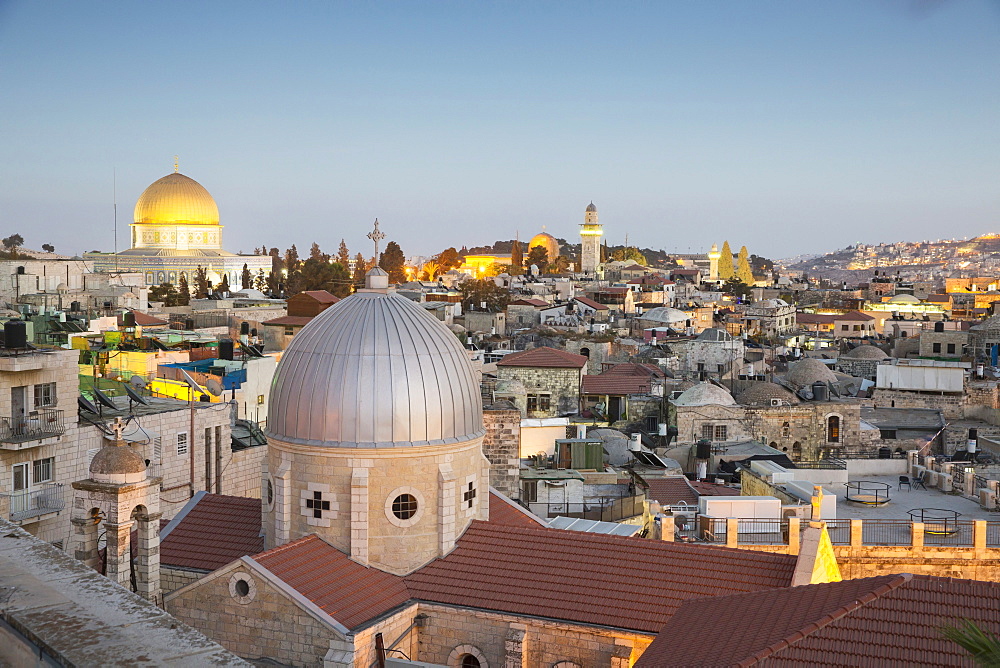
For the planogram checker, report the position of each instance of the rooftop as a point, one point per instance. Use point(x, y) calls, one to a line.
point(210, 531)
point(544, 357)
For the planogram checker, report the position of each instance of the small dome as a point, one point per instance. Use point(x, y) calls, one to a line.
point(62, 287)
point(705, 394)
point(761, 394)
point(375, 370)
point(808, 371)
point(546, 241)
point(117, 463)
point(591, 208)
point(176, 200)
point(866, 352)
point(666, 315)
point(904, 299)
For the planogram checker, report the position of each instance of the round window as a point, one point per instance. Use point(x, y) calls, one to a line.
point(404, 507)
point(242, 587)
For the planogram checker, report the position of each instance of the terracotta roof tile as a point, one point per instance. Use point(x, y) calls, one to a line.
point(142, 319)
point(347, 591)
point(290, 320)
point(509, 513)
point(630, 583)
point(586, 301)
point(529, 302)
point(672, 490)
point(880, 621)
point(212, 531)
point(711, 489)
point(544, 357)
point(322, 296)
point(615, 384)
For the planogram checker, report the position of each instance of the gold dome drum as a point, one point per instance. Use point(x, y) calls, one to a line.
point(176, 200)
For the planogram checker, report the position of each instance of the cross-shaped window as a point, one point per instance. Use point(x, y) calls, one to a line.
point(317, 505)
point(470, 495)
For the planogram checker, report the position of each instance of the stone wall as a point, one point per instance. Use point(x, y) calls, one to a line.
point(502, 446)
point(175, 578)
point(563, 385)
point(960, 340)
point(263, 624)
point(862, 368)
point(801, 430)
point(950, 405)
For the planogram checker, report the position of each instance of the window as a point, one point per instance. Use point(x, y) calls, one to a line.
point(845, 328)
point(936, 347)
point(887, 434)
point(529, 491)
point(45, 395)
point(721, 368)
point(707, 431)
point(539, 402)
point(469, 661)
point(720, 432)
point(404, 506)
point(43, 469)
point(701, 366)
point(833, 429)
point(951, 348)
point(260, 399)
point(289, 331)
point(182, 443)
point(786, 430)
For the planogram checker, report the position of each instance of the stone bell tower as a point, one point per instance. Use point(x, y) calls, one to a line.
point(117, 497)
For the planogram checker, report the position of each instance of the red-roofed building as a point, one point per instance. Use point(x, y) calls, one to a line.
point(626, 391)
point(302, 308)
point(891, 620)
point(551, 379)
point(143, 320)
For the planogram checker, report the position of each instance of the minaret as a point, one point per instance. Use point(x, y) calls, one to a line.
point(713, 262)
point(590, 241)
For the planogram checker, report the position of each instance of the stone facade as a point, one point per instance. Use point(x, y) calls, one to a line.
point(950, 404)
point(862, 368)
point(802, 431)
point(947, 345)
point(561, 385)
point(172, 578)
point(502, 446)
point(449, 483)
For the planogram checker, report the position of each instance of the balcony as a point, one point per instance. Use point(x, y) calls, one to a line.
point(32, 505)
point(39, 427)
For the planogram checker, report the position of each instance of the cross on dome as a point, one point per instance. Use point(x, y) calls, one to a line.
point(376, 235)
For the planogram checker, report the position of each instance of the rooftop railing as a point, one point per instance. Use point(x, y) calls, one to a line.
point(43, 423)
point(26, 504)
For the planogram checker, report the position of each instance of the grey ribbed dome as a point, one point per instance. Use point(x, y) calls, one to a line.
point(375, 370)
point(705, 394)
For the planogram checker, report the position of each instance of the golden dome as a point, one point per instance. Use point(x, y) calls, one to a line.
point(176, 200)
point(546, 241)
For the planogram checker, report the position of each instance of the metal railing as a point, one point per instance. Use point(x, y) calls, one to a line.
point(887, 532)
point(605, 509)
point(831, 463)
point(955, 533)
point(43, 423)
point(839, 531)
point(993, 534)
point(958, 475)
point(712, 529)
point(26, 504)
point(762, 532)
point(154, 470)
point(859, 452)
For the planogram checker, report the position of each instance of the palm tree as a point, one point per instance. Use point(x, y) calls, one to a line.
point(984, 647)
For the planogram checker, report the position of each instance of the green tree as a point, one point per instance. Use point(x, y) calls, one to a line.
point(319, 274)
point(446, 259)
point(12, 243)
point(48, 248)
point(516, 259)
point(629, 254)
point(224, 285)
point(183, 291)
point(984, 647)
point(431, 270)
point(164, 292)
point(558, 266)
point(734, 286)
point(726, 269)
point(260, 281)
point(292, 259)
point(393, 262)
point(360, 269)
point(343, 255)
point(316, 254)
point(743, 270)
point(476, 291)
point(200, 283)
point(538, 256)
point(246, 278)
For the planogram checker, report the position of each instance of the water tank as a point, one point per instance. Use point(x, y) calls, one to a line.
point(244, 327)
point(938, 326)
point(226, 351)
point(885, 452)
point(820, 391)
point(703, 449)
point(129, 319)
point(75, 307)
point(15, 334)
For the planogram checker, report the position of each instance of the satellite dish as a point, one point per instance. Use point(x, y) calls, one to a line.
point(85, 404)
point(104, 400)
point(191, 383)
point(133, 396)
point(214, 387)
point(138, 382)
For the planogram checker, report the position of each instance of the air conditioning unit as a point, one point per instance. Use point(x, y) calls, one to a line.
point(775, 402)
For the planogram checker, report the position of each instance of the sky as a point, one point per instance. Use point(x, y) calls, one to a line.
point(789, 127)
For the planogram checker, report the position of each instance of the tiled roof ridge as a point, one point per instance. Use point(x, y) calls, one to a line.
point(287, 546)
point(894, 582)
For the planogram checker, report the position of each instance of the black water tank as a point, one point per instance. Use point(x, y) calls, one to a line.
point(820, 391)
point(244, 327)
point(938, 326)
point(703, 449)
point(129, 319)
point(15, 334)
point(885, 453)
point(226, 349)
point(75, 306)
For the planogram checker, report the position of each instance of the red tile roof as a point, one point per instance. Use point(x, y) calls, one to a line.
point(529, 302)
point(322, 296)
point(629, 583)
point(711, 489)
point(211, 531)
point(672, 490)
point(855, 316)
point(347, 591)
point(615, 384)
point(888, 620)
point(544, 357)
point(290, 320)
point(142, 319)
point(509, 513)
point(814, 319)
point(587, 301)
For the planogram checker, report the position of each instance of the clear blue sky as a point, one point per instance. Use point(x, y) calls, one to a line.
point(787, 126)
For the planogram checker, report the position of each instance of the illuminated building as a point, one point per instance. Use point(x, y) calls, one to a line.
point(176, 230)
point(590, 241)
point(546, 241)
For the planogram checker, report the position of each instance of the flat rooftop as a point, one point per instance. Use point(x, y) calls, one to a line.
point(900, 501)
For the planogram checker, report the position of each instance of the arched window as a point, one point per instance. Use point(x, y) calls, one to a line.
point(833, 429)
point(467, 656)
point(796, 451)
point(469, 661)
point(786, 430)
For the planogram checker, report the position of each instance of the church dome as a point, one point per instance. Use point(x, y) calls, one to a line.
point(117, 463)
point(375, 370)
point(666, 315)
point(904, 299)
point(176, 200)
point(546, 241)
point(705, 394)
